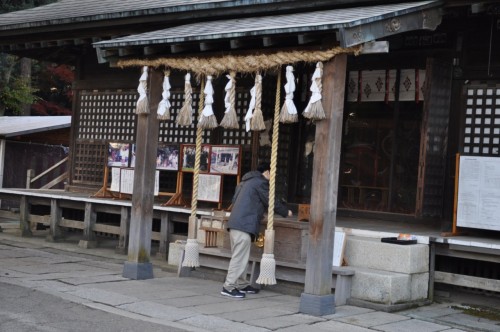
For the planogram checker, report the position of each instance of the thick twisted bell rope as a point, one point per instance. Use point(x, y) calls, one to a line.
point(192, 252)
point(197, 157)
point(274, 155)
point(267, 274)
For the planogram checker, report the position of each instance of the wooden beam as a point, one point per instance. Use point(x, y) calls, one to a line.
point(467, 281)
point(152, 50)
point(138, 265)
point(179, 48)
point(125, 51)
point(268, 41)
point(307, 39)
point(236, 43)
point(317, 298)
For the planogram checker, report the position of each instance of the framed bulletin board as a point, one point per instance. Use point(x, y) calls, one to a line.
point(118, 154)
point(188, 152)
point(127, 181)
point(478, 203)
point(167, 157)
point(225, 159)
point(209, 187)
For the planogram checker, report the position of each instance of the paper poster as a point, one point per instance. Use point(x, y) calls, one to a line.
point(479, 193)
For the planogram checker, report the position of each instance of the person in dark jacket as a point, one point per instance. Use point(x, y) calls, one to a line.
point(250, 201)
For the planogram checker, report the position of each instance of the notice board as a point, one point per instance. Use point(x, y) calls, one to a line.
point(478, 203)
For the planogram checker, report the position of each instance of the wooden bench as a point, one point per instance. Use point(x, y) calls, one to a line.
point(286, 271)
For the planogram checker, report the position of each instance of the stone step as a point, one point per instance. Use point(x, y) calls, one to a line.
point(388, 288)
point(374, 254)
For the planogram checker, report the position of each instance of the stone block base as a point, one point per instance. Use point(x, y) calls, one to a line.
point(317, 305)
point(137, 271)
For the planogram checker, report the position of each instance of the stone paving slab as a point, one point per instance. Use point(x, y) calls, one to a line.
point(412, 325)
point(347, 310)
point(102, 296)
point(230, 306)
point(474, 323)
point(217, 324)
point(328, 326)
point(372, 319)
point(273, 323)
point(128, 314)
point(93, 279)
point(430, 312)
point(157, 310)
point(37, 269)
point(190, 301)
point(248, 316)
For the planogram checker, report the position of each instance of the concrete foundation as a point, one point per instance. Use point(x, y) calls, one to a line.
point(137, 271)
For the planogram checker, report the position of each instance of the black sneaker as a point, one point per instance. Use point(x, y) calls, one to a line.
point(249, 290)
point(234, 293)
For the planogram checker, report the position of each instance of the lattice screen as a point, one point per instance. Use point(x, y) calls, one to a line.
point(102, 116)
point(107, 116)
point(171, 132)
point(481, 128)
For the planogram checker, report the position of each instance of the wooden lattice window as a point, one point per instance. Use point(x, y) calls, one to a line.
point(102, 116)
point(171, 132)
point(89, 163)
point(481, 128)
point(107, 115)
point(239, 136)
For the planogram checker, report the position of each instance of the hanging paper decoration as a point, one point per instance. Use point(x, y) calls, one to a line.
point(142, 106)
point(289, 111)
point(230, 120)
point(251, 107)
point(254, 119)
point(164, 106)
point(185, 116)
point(207, 118)
point(314, 109)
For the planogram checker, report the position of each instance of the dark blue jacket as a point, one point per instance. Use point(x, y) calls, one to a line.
point(250, 201)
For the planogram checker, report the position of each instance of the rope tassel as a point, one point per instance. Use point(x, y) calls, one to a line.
point(289, 111)
point(207, 118)
point(257, 121)
point(314, 109)
point(185, 116)
point(142, 106)
point(267, 263)
point(192, 250)
point(230, 120)
point(164, 106)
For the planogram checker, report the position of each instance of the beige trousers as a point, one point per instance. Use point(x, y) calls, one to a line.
point(240, 248)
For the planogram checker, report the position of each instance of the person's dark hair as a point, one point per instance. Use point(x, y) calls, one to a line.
point(264, 167)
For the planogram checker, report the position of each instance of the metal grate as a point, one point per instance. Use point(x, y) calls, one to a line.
point(481, 127)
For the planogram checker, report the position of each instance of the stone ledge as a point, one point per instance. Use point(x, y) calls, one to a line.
point(374, 254)
point(388, 288)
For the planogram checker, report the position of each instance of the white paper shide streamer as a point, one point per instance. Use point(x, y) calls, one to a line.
point(230, 120)
point(289, 111)
point(207, 118)
point(251, 107)
point(142, 106)
point(314, 109)
point(164, 105)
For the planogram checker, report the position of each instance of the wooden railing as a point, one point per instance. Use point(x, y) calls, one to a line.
point(30, 177)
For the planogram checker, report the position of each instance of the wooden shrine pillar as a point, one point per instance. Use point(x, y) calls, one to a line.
point(138, 265)
point(317, 298)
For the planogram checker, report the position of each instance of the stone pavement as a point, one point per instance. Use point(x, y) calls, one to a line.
point(92, 277)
